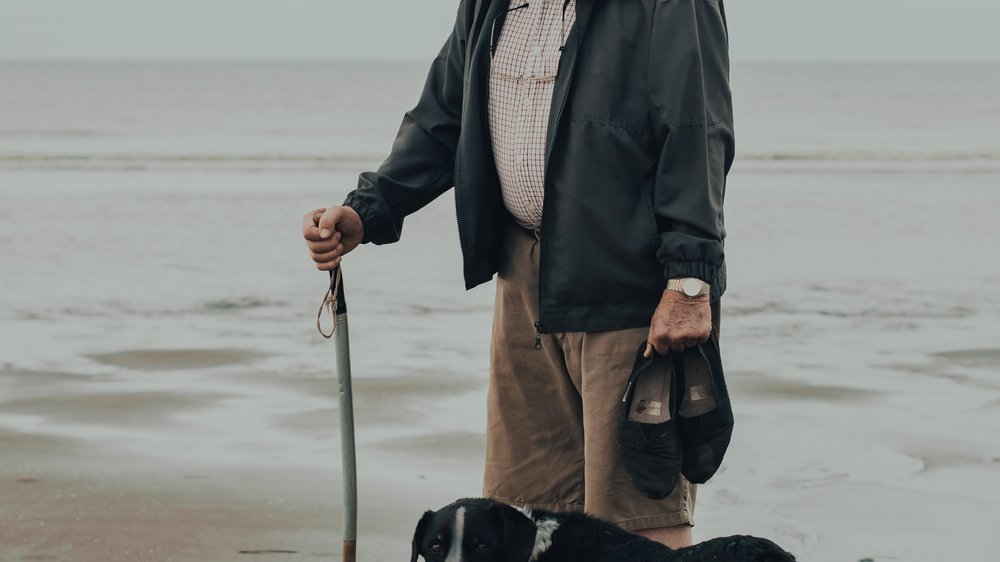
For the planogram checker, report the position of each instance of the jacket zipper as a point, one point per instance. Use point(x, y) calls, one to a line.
point(538, 240)
point(545, 182)
point(470, 52)
point(458, 210)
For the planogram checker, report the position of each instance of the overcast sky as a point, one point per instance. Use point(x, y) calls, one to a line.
point(849, 30)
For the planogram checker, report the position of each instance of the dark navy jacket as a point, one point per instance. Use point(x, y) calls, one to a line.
point(640, 141)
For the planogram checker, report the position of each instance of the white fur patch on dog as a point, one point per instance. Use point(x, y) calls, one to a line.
point(455, 550)
point(543, 537)
point(545, 528)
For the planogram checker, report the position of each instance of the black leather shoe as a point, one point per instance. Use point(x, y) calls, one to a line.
point(651, 452)
point(705, 416)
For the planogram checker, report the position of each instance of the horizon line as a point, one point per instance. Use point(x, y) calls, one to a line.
point(386, 60)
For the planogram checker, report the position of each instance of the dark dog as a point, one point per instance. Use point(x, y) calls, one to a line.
point(482, 530)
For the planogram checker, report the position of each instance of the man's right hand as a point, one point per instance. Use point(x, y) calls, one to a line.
point(331, 233)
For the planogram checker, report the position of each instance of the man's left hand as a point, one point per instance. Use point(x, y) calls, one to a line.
point(679, 323)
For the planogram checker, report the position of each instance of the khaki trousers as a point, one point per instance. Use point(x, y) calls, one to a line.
point(552, 414)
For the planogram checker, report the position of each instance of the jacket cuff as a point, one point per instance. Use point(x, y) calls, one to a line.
point(684, 255)
point(705, 272)
point(380, 228)
point(714, 275)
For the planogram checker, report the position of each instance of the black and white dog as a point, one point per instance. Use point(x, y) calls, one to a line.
point(483, 530)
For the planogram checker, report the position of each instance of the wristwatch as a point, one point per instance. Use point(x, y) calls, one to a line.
point(690, 287)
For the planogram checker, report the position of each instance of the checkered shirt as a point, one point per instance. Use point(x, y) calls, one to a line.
point(522, 78)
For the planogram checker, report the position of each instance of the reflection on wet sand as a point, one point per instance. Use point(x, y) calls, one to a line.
point(174, 359)
point(765, 387)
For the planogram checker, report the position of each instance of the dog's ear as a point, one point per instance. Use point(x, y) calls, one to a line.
point(418, 534)
point(518, 533)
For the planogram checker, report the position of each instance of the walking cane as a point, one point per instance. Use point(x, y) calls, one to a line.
point(335, 303)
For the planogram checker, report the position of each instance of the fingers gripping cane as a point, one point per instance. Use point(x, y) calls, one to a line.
point(336, 305)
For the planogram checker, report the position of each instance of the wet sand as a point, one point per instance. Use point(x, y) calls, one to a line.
point(96, 475)
point(198, 421)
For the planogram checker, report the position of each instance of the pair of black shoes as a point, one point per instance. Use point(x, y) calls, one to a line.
point(691, 436)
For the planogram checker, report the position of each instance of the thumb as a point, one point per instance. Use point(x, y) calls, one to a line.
point(328, 221)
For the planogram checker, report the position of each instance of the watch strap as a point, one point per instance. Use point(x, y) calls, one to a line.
point(679, 283)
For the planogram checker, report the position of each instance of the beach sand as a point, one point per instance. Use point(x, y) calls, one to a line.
point(165, 395)
point(214, 465)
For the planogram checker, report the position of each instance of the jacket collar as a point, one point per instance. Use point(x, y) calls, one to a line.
point(478, 61)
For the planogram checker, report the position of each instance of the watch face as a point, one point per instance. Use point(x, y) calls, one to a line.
point(691, 287)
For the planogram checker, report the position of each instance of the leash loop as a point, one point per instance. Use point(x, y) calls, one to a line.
point(330, 304)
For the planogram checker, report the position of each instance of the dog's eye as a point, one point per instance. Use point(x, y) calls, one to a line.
point(436, 548)
point(482, 547)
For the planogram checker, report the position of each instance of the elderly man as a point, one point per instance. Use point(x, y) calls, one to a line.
point(588, 142)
